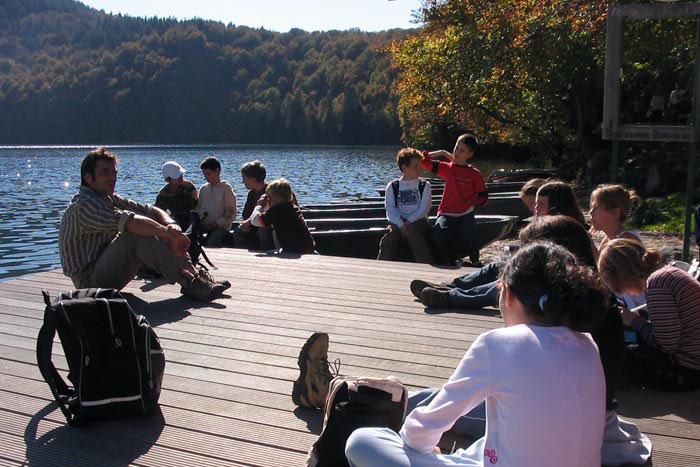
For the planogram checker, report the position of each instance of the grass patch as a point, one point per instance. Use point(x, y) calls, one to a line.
point(661, 214)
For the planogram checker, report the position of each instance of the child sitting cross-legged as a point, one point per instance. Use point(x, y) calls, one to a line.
point(407, 205)
point(276, 208)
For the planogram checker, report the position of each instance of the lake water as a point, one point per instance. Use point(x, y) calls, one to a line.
point(37, 183)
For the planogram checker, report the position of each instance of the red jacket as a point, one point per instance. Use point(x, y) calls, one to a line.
point(464, 186)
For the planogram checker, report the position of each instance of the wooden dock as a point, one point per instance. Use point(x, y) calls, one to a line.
point(231, 364)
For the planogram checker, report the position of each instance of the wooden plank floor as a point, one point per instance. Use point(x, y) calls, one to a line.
point(231, 364)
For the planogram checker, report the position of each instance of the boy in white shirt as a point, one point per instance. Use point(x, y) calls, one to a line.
point(217, 203)
point(407, 203)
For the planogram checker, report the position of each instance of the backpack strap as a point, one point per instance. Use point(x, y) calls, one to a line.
point(395, 189)
point(44, 345)
point(206, 258)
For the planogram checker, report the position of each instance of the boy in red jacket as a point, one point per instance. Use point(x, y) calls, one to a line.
point(464, 189)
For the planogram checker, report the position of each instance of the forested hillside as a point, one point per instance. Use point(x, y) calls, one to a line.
point(71, 74)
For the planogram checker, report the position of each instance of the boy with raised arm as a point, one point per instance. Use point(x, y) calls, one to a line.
point(276, 208)
point(464, 190)
point(407, 204)
point(217, 203)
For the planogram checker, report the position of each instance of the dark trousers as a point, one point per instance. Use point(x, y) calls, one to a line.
point(452, 237)
point(257, 238)
point(478, 289)
point(414, 237)
point(651, 367)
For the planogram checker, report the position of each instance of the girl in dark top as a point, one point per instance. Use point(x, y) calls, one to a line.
point(277, 209)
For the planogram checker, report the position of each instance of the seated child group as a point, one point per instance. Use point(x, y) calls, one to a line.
point(271, 217)
point(643, 316)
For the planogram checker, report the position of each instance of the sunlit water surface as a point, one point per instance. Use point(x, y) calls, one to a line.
point(37, 183)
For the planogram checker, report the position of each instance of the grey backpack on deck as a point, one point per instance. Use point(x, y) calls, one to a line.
point(115, 360)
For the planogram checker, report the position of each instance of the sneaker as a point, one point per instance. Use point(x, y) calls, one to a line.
point(418, 285)
point(311, 388)
point(433, 297)
point(205, 273)
point(203, 290)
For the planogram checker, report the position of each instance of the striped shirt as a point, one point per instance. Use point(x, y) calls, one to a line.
point(90, 224)
point(673, 304)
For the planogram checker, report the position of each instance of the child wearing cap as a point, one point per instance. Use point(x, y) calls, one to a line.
point(178, 196)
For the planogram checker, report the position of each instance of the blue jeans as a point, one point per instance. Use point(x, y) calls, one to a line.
point(369, 447)
point(382, 446)
point(477, 289)
point(452, 237)
point(472, 424)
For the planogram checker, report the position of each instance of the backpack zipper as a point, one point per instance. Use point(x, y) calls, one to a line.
point(84, 359)
point(138, 365)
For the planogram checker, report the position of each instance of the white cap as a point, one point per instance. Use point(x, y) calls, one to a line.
point(172, 169)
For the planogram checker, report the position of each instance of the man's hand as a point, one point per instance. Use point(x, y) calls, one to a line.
point(245, 226)
point(178, 241)
point(404, 228)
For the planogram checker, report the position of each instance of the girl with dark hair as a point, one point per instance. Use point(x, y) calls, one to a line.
point(668, 354)
point(623, 443)
point(541, 378)
point(558, 198)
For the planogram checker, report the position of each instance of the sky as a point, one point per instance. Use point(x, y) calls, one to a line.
point(276, 15)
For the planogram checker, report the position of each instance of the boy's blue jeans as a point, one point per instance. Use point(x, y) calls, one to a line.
point(453, 236)
point(478, 289)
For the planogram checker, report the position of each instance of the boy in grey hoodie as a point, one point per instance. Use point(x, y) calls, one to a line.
point(217, 203)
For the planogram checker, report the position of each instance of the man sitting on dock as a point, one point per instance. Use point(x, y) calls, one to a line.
point(104, 238)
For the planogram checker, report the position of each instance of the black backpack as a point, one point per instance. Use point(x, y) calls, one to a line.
point(355, 403)
point(115, 360)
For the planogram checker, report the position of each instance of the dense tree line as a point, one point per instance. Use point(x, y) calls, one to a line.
point(71, 74)
point(531, 72)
